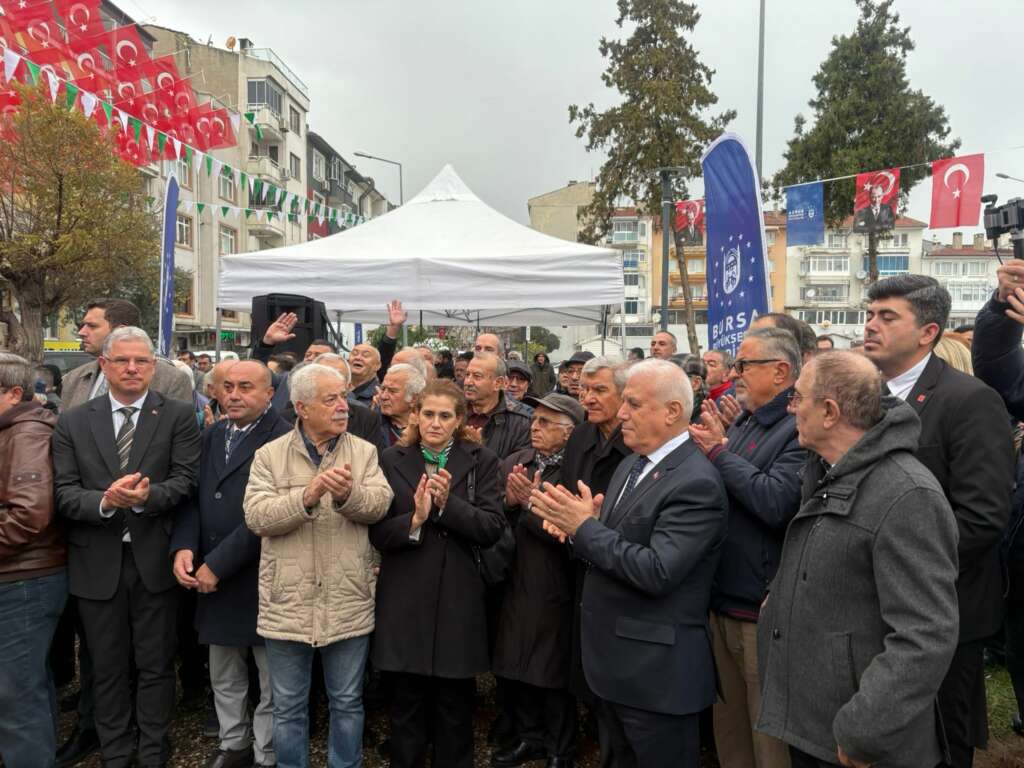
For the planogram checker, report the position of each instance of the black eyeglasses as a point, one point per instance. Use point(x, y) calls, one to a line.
point(742, 365)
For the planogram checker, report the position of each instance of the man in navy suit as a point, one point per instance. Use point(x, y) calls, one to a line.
point(218, 556)
point(652, 546)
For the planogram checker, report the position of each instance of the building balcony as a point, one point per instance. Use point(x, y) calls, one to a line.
point(266, 169)
point(264, 228)
point(272, 126)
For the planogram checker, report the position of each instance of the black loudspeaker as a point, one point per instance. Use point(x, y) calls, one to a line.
point(313, 322)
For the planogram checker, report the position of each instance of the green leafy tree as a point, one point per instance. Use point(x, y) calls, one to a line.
point(73, 221)
point(661, 122)
point(866, 117)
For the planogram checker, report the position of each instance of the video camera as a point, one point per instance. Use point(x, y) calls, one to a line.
point(1003, 219)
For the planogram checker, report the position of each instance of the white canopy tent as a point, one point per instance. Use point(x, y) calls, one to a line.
point(445, 254)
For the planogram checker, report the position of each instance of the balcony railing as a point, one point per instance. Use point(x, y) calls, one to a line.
point(268, 55)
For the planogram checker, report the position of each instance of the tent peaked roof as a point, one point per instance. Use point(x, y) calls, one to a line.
point(444, 253)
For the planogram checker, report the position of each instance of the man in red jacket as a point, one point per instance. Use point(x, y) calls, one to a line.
point(33, 576)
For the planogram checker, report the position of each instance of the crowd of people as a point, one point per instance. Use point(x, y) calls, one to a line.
point(795, 553)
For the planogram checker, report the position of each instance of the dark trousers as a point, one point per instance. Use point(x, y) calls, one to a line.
point(193, 658)
point(545, 717)
point(636, 738)
point(798, 759)
point(440, 707)
point(962, 704)
point(1015, 634)
point(134, 624)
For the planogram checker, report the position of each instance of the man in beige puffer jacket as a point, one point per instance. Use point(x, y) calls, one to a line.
point(311, 495)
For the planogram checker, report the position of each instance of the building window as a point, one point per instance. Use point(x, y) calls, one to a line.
point(318, 166)
point(974, 269)
point(769, 237)
point(695, 266)
point(183, 171)
point(830, 264)
point(944, 268)
point(228, 241)
point(226, 186)
point(833, 293)
point(890, 264)
point(629, 307)
point(631, 259)
point(295, 166)
point(976, 293)
point(699, 291)
point(183, 237)
point(229, 314)
point(631, 279)
point(895, 240)
point(184, 307)
point(265, 93)
point(295, 121)
point(318, 198)
point(624, 231)
point(837, 240)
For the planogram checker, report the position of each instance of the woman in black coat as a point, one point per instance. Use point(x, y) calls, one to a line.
point(431, 627)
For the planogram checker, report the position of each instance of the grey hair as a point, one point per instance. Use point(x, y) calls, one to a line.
point(853, 382)
point(500, 369)
point(416, 362)
point(779, 343)
point(415, 382)
point(127, 333)
point(16, 371)
point(302, 383)
point(332, 357)
point(726, 355)
point(672, 383)
point(617, 367)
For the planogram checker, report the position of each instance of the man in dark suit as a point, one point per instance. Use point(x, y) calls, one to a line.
point(877, 217)
point(652, 543)
point(218, 556)
point(123, 464)
point(966, 443)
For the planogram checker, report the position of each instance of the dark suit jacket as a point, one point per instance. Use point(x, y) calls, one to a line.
point(866, 221)
point(645, 636)
point(212, 526)
point(165, 449)
point(967, 444)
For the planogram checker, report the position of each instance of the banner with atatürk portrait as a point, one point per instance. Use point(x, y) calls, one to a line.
point(874, 207)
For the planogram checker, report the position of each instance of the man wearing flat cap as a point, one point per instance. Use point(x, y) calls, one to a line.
point(534, 643)
point(518, 382)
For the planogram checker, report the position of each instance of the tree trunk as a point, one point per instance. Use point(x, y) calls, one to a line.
point(684, 278)
point(26, 332)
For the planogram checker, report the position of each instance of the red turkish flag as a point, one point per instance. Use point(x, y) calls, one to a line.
point(888, 181)
point(956, 191)
point(82, 19)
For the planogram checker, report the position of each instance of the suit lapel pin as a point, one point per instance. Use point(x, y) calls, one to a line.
point(155, 412)
point(920, 398)
point(657, 475)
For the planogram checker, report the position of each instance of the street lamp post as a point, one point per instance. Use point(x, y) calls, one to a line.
point(401, 193)
point(1009, 177)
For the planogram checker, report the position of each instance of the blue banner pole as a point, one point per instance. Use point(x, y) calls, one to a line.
point(166, 330)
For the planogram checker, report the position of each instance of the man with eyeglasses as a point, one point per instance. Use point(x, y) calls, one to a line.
point(759, 459)
point(533, 649)
point(124, 462)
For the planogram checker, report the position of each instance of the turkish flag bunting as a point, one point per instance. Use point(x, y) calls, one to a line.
point(889, 182)
point(956, 191)
point(123, 47)
point(687, 211)
point(82, 19)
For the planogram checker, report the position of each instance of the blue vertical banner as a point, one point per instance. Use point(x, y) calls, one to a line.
point(358, 333)
point(805, 219)
point(166, 333)
point(737, 277)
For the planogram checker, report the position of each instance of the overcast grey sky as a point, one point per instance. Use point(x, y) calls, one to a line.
point(485, 85)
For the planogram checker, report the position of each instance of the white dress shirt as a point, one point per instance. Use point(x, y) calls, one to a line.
point(118, 421)
point(655, 457)
point(901, 386)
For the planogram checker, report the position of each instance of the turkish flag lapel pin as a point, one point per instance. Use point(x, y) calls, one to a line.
point(920, 398)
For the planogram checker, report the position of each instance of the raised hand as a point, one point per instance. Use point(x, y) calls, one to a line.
point(422, 502)
point(439, 485)
point(281, 329)
point(396, 318)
